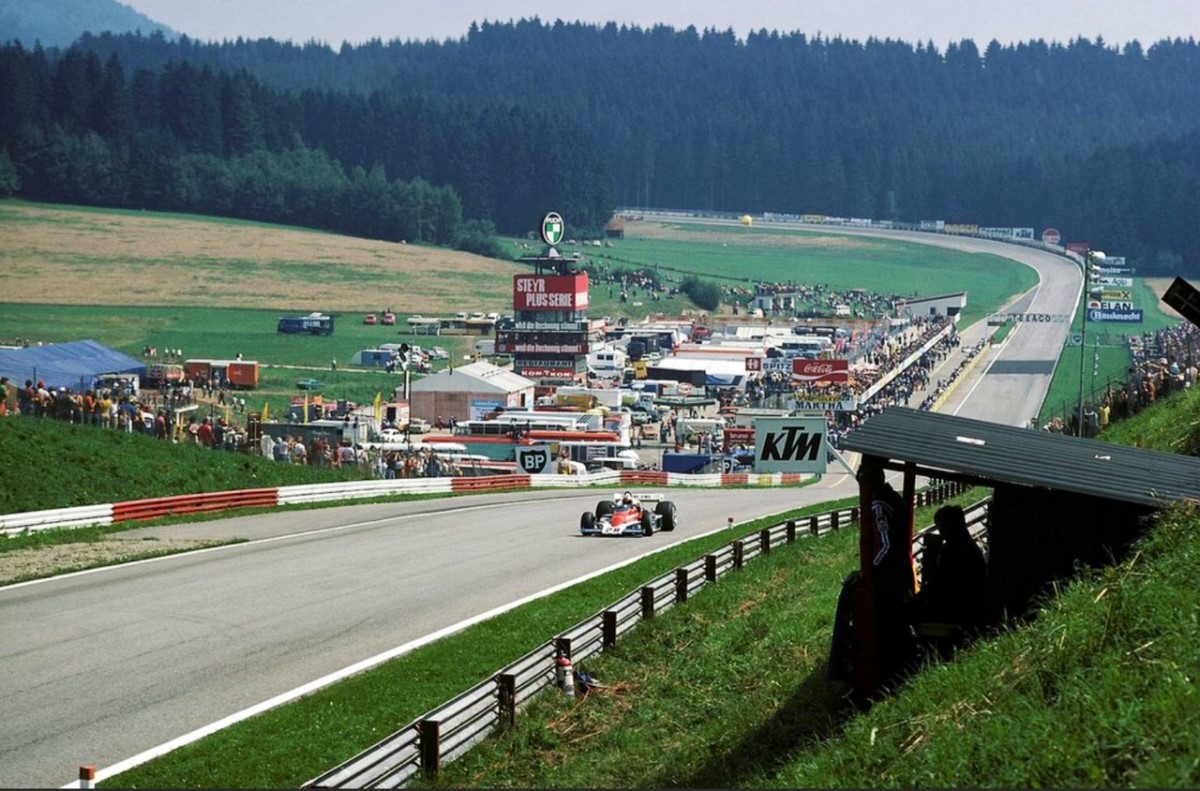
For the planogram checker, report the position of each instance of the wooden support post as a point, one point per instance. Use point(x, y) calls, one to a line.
point(647, 602)
point(710, 568)
point(508, 698)
point(791, 531)
point(430, 739)
point(681, 585)
point(608, 628)
point(738, 554)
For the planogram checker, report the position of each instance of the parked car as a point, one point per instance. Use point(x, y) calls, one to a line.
point(309, 384)
point(418, 425)
point(438, 353)
point(370, 319)
point(389, 319)
point(627, 515)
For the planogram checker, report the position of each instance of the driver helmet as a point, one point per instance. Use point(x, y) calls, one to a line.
point(627, 499)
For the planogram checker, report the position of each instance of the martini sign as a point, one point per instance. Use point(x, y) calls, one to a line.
point(552, 229)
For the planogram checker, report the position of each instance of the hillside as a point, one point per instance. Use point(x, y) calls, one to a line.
point(58, 23)
point(140, 258)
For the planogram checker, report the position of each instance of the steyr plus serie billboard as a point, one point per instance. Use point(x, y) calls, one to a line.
point(550, 292)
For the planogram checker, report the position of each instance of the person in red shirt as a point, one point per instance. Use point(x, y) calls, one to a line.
point(205, 433)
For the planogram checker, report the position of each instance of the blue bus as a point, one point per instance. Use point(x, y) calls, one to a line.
point(312, 324)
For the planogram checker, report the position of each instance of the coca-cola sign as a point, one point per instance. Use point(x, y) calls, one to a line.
point(821, 370)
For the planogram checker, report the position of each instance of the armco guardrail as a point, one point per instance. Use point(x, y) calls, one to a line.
point(32, 521)
point(351, 490)
point(137, 510)
point(446, 732)
point(490, 483)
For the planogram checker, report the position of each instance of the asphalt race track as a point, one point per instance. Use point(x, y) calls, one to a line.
point(104, 665)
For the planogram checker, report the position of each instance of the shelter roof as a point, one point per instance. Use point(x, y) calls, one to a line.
point(988, 453)
point(473, 378)
point(74, 364)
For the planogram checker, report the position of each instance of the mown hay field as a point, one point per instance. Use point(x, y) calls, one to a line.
point(63, 255)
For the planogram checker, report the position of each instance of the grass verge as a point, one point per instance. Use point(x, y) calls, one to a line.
point(1100, 690)
point(294, 743)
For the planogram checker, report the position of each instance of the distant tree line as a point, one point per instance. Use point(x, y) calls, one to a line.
point(1097, 141)
point(75, 129)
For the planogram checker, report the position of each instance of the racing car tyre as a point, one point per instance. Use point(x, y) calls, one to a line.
point(604, 508)
point(587, 521)
point(647, 524)
point(666, 510)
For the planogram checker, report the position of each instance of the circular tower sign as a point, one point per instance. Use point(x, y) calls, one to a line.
point(1051, 236)
point(552, 229)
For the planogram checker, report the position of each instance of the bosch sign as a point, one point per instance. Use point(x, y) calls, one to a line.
point(821, 370)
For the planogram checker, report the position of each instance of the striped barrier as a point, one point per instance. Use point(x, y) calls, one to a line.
point(136, 510)
point(211, 502)
point(490, 483)
point(644, 477)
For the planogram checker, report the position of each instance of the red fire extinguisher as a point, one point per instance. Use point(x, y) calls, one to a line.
point(565, 674)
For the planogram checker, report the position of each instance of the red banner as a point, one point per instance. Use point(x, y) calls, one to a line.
point(821, 370)
point(550, 292)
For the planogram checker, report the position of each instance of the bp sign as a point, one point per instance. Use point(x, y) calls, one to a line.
point(552, 229)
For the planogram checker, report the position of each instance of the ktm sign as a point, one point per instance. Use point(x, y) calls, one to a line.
point(821, 370)
point(789, 444)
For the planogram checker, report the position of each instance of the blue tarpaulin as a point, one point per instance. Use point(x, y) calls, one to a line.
point(74, 365)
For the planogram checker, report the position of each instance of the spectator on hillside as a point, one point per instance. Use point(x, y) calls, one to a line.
point(204, 433)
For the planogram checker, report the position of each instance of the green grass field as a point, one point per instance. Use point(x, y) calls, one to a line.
point(1108, 342)
point(743, 255)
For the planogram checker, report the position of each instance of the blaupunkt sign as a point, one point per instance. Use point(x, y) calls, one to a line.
point(789, 444)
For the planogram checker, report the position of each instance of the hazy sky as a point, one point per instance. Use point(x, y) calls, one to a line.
point(941, 21)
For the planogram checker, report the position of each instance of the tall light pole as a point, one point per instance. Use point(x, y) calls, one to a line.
point(1090, 259)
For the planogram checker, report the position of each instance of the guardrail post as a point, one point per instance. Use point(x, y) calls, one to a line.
point(921, 499)
point(764, 541)
point(791, 531)
point(608, 628)
point(431, 745)
point(813, 526)
point(647, 602)
point(508, 698)
point(833, 520)
point(681, 584)
point(710, 568)
point(854, 513)
point(563, 644)
point(738, 554)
